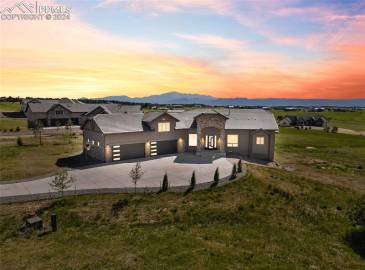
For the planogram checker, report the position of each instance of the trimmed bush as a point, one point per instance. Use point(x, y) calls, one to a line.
point(192, 184)
point(17, 129)
point(357, 213)
point(216, 178)
point(11, 130)
point(118, 206)
point(234, 172)
point(165, 183)
point(19, 141)
point(239, 166)
point(193, 181)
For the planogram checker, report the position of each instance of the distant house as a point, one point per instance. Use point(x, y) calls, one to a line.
point(53, 113)
point(27, 101)
point(109, 109)
point(304, 120)
point(237, 132)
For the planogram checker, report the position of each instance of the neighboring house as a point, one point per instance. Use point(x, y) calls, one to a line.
point(112, 108)
point(26, 101)
point(55, 113)
point(305, 120)
point(237, 132)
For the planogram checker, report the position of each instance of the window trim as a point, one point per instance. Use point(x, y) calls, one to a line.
point(194, 142)
point(164, 126)
point(232, 144)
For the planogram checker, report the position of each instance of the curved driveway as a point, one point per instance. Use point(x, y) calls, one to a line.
point(178, 168)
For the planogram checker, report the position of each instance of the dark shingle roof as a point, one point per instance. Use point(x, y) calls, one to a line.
point(119, 122)
point(236, 119)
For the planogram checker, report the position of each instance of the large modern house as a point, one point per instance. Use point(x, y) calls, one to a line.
point(236, 132)
point(52, 112)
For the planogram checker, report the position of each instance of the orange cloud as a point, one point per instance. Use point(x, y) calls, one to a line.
point(71, 58)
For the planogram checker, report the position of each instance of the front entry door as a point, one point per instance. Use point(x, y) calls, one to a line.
point(210, 142)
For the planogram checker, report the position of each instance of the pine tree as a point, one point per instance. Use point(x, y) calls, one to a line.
point(239, 166)
point(165, 183)
point(234, 172)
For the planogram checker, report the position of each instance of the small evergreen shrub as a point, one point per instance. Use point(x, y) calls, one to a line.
point(118, 206)
point(10, 130)
point(19, 141)
point(234, 172)
point(17, 129)
point(239, 166)
point(193, 181)
point(216, 178)
point(165, 183)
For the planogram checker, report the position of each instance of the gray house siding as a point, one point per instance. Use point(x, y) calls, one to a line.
point(95, 142)
point(147, 141)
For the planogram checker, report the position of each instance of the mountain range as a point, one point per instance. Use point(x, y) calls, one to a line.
point(181, 98)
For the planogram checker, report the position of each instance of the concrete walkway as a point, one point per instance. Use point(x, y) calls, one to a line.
point(115, 176)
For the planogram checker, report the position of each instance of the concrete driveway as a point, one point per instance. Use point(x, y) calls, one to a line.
point(115, 175)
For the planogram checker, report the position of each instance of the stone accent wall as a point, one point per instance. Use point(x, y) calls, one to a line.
point(211, 120)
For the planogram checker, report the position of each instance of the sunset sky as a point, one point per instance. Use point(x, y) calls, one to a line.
point(253, 49)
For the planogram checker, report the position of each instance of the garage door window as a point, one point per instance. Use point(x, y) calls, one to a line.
point(163, 126)
point(193, 139)
point(116, 152)
point(232, 140)
point(260, 140)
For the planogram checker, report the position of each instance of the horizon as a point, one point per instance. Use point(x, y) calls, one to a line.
point(231, 49)
point(176, 92)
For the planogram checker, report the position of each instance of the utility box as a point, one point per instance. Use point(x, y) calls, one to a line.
point(34, 223)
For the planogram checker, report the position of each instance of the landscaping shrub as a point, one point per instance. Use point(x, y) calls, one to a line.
point(165, 183)
point(357, 213)
point(216, 178)
point(239, 166)
point(17, 129)
point(5, 130)
point(19, 141)
point(193, 181)
point(334, 129)
point(192, 184)
point(11, 130)
point(118, 206)
point(234, 172)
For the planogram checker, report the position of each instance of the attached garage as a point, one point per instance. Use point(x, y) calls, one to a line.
point(128, 151)
point(166, 147)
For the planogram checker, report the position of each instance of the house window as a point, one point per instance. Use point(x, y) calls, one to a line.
point(163, 126)
point(232, 140)
point(260, 140)
point(193, 139)
point(98, 143)
point(59, 112)
point(92, 142)
point(88, 140)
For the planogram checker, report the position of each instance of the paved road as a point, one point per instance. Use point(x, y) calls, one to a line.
point(115, 175)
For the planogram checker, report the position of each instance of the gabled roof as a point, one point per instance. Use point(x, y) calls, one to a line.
point(151, 116)
point(72, 107)
point(117, 108)
point(250, 119)
point(235, 118)
point(119, 122)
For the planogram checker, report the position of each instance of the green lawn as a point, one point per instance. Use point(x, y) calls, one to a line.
point(329, 157)
point(7, 123)
point(18, 162)
point(9, 107)
point(270, 219)
point(350, 120)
